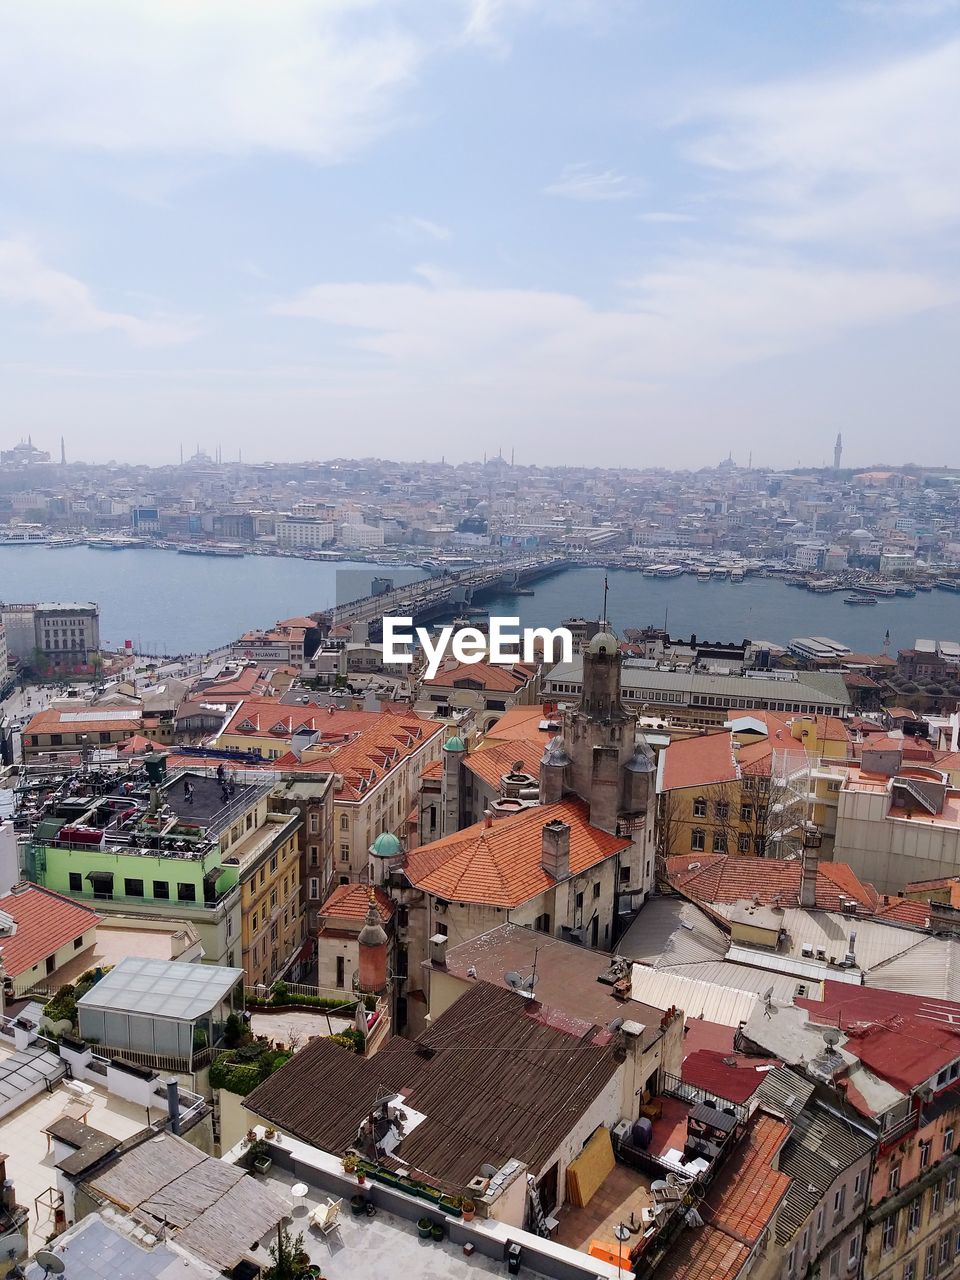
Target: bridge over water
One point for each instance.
(450, 592)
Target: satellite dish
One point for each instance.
(768, 995)
(614, 1024)
(513, 980)
(831, 1036)
(52, 1263)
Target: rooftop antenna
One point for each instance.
(603, 616)
(52, 1263)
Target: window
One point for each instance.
(719, 842)
(579, 901)
(133, 888)
(273, 864)
(838, 1200)
(51, 964)
(945, 1248)
(792, 1261)
(314, 887)
(858, 1187)
(889, 1232)
(76, 882)
(314, 856)
(746, 813)
(542, 923)
(56, 739)
(340, 971)
(624, 875)
(951, 1186)
(834, 1264)
(700, 807)
(913, 1218)
(854, 1251)
(186, 892)
(78, 943)
(893, 1183)
(910, 1270)
(596, 890)
(314, 822)
(936, 1198)
(948, 1140)
(344, 853)
(697, 838)
(722, 810)
(930, 1262)
(743, 842)
(161, 889)
(925, 1148)
(805, 1242)
(820, 1216)
(344, 822)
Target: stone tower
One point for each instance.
(450, 807)
(372, 975)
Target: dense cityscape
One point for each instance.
(479, 640)
(642, 960)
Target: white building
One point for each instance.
(303, 530)
(361, 535)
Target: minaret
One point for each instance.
(63, 452)
(837, 451)
(453, 750)
(600, 733)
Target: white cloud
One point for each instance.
(864, 155)
(692, 316)
(425, 227)
(317, 77)
(583, 182)
(665, 215)
(68, 304)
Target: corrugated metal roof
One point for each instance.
(784, 1092)
(739, 977)
(819, 1151)
(670, 931)
(815, 687)
(929, 968)
(707, 1000)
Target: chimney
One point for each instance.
(808, 878)
(555, 854)
(173, 1104)
(487, 818)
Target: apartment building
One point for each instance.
(304, 531)
(67, 635)
(281, 644)
(74, 727)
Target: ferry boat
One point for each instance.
(737, 575)
(906, 590)
(234, 553)
(721, 571)
(859, 599)
(668, 571)
(704, 574)
(948, 584)
(115, 543)
(22, 538)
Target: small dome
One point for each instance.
(556, 753)
(386, 845)
(641, 761)
(372, 934)
(604, 642)
(453, 743)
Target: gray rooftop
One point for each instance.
(21, 1072)
(99, 1248)
(162, 988)
(815, 687)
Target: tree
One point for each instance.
(285, 1255)
(723, 815)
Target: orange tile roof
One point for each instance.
(748, 1190)
(45, 922)
(432, 771)
(523, 723)
(719, 877)
(905, 911)
(703, 1253)
(500, 865)
(491, 762)
(491, 677)
(699, 762)
(352, 902)
(51, 720)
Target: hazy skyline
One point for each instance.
(588, 230)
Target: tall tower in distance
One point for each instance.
(837, 452)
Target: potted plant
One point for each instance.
(269, 1133)
(468, 1209)
(437, 1231)
(424, 1228)
(251, 1136)
(358, 1204)
(258, 1156)
(350, 1161)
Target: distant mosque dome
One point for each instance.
(453, 743)
(386, 845)
(604, 642)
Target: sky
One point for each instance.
(647, 232)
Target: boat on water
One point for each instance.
(906, 591)
(23, 538)
(924, 586)
(668, 571)
(704, 575)
(115, 544)
(737, 575)
(233, 553)
(948, 584)
(859, 598)
(721, 571)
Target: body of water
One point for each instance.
(167, 603)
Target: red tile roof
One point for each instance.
(905, 911)
(352, 902)
(524, 723)
(491, 762)
(719, 877)
(699, 762)
(490, 676)
(45, 922)
(731, 1076)
(904, 1039)
(500, 865)
(749, 1189)
(704, 1253)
